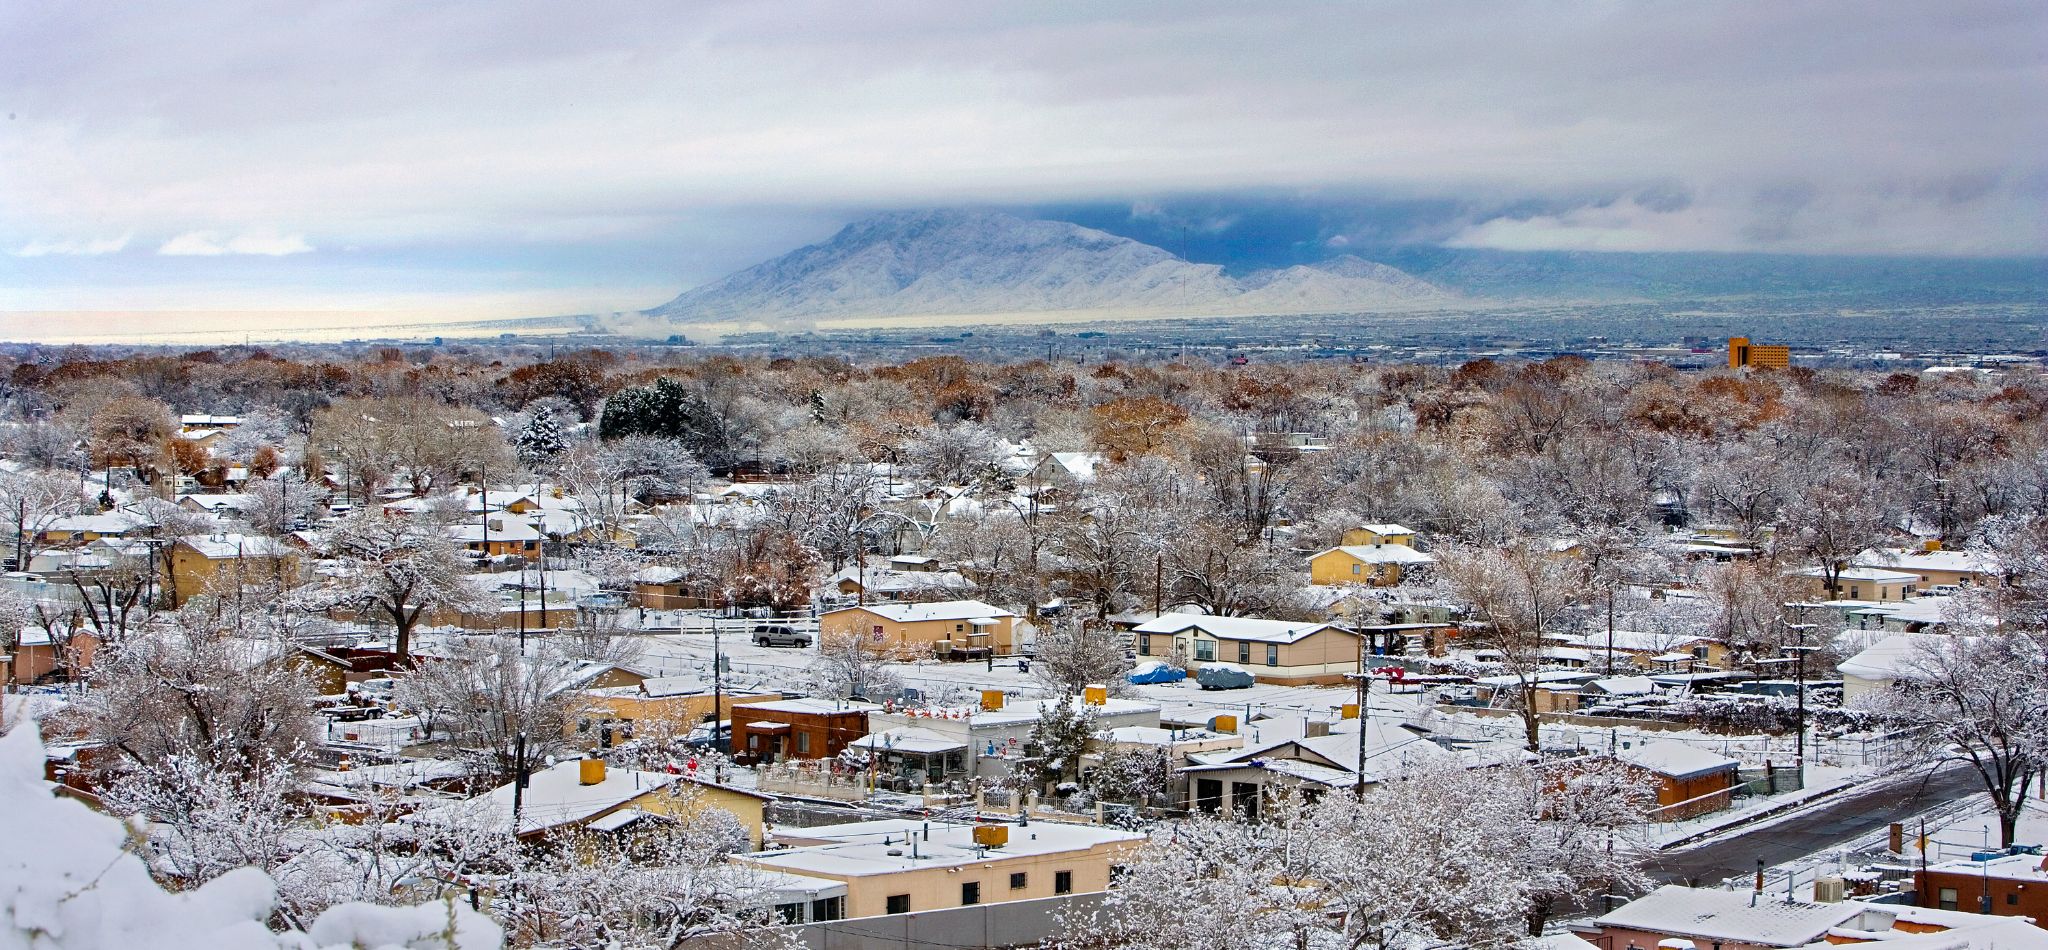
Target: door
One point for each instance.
(1208, 794)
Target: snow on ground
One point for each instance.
(68, 882)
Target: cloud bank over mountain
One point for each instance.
(967, 263)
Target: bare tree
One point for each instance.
(490, 701)
(1518, 592)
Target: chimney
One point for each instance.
(991, 700)
(590, 772)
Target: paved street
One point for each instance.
(1844, 818)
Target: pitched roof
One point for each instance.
(1384, 553)
(1239, 628)
(940, 610)
(1675, 759)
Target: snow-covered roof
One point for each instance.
(809, 706)
(868, 852)
(1387, 529)
(908, 739)
(1639, 641)
(1238, 628)
(1899, 656)
(1384, 553)
(1080, 465)
(1873, 575)
(1675, 759)
(500, 529)
(940, 610)
(218, 546)
(1903, 559)
(1727, 915)
(554, 797)
(1624, 685)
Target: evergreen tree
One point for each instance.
(541, 440)
(1058, 738)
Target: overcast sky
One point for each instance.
(504, 156)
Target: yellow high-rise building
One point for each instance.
(1743, 353)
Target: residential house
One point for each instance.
(80, 529)
(1860, 583)
(766, 732)
(902, 866)
(190, 422)
(1369, 535)
(41, 657)
(197, 562)
(2013, 884)
(655, 707)
(933, 745)
(1899, 657)
(1751, 920)
(586, 795)
(1068, 471)
(1933, 565)
(1377, 565)
(1309, 757)
(497, 536)
(951, 629)
(1657, 651)
(1690, 781)
(1273, 651)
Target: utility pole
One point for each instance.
(1799, 652)
(718, 687)
(1364, 691)
(518, 781)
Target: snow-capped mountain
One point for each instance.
(964, 263)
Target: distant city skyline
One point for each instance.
(527, 159)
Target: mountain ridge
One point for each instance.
(965, 263)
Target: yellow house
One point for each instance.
(82, 529)
(1933, 565)
(196, 562)
(1380, 534)
(1860, 583)
(1272, 651)
(496, 536)
(1377, 565)
(662, 707)
(951, 629)
(902, 866)
(584, 794)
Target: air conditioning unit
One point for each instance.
(1830, 890)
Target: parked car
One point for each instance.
(707, 736)
(778, 635)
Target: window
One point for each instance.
(899, 904)
(970, 893)
(754, 740)
(830, 908)
(2012, 897)
(1205, 649)
(1244, 653)
(1144, 644)
(1019, 880)
(1948, 898)
(1117, 873)
(803, 742)
(1855, 593)
(1063, 882)
(1699, 653)
(1357, 568)
(1272, 654)
(959, 628)
(790, 913)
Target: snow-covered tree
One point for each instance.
(1072, 654)
(484, 695)
(851, 666)
(33, 501)
(1052, 750)
(1983, 698)
(281, 504)
(396, 571)
(540, 441)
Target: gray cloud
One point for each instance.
(1898, 127)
